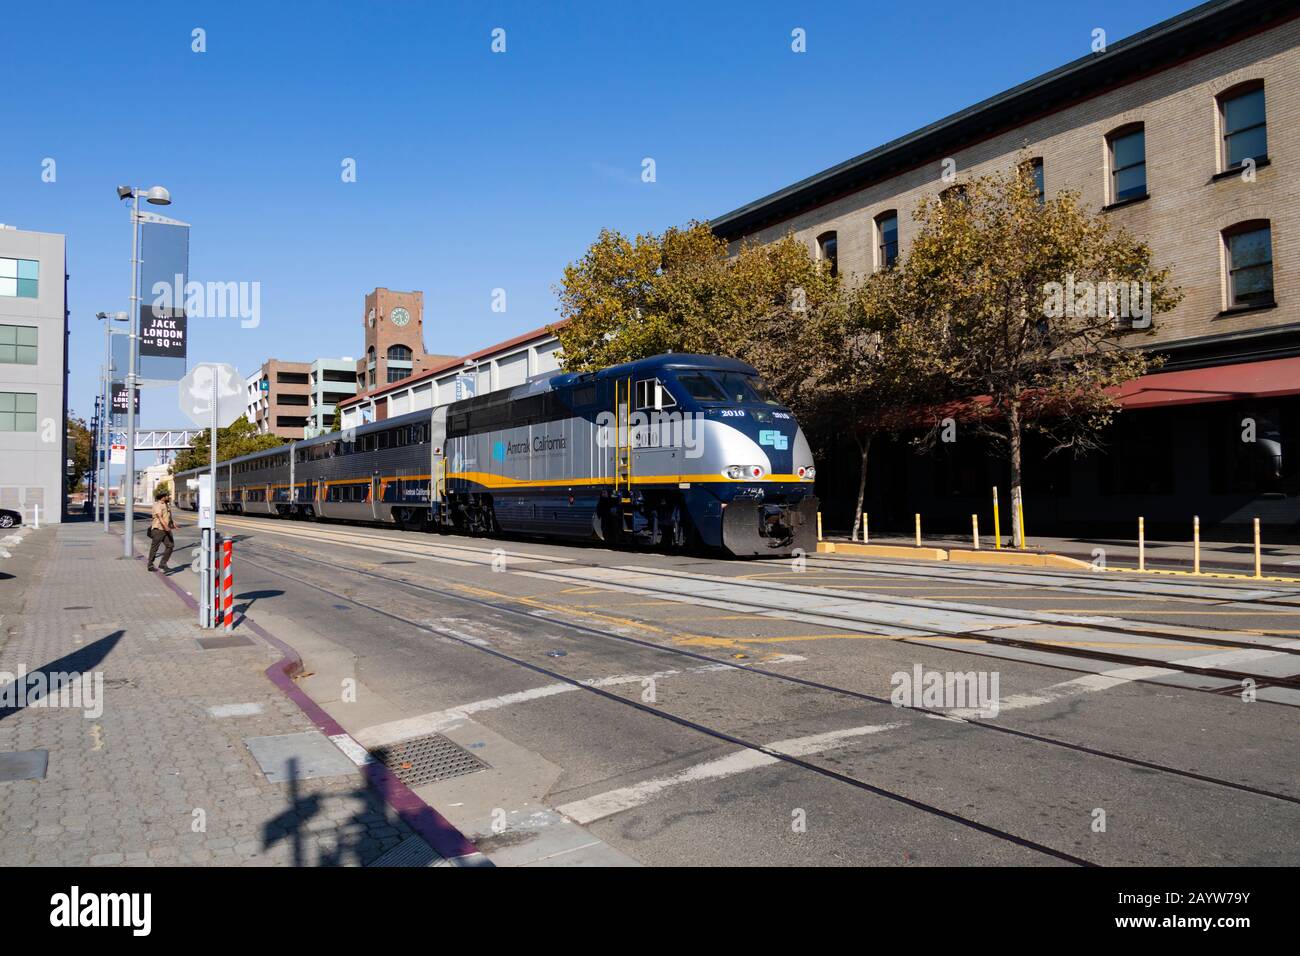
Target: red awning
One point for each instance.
(1268, 379)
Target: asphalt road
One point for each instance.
(668, 709)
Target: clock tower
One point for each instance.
(394, 324)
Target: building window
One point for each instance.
(397, 374)
(399, 353)
(18, 277)
(1249, 250)
(886, 239)
(1128, 163)
(1034, 167)
(953, 194)
(17, 411)
(1245, 131)
(18, 344)
(828, 250)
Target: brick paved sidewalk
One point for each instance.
(165, 774)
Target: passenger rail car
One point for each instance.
(667, 451)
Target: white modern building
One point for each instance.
(498, 366)
(33, 372)
(332, 381)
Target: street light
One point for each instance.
(105, 402)
(158, 196)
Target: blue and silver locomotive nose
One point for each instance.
(767, 504)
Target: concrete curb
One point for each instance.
(432, 826)
(1020, 559)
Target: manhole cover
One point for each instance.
(422, 760)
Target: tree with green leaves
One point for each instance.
(239, 438)
(1043, 304)
(681, 291)
(80, 448)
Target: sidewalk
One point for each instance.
(165, 752)
(1227, 556)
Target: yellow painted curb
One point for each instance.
(883, 551)
(1019, 559)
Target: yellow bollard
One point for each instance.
(1142, 543)
(1020, 511)
(1196, 545)
(864, 527)
(975, 530)
(1258, 562)
(819, 526)
(918, 529)
(997, 521)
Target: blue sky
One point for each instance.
(475, 170)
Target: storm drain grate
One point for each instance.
(422, 760)
(222, 641)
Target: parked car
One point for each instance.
(10, 519)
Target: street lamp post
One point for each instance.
(106, 399)
(158, 196)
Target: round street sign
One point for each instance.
(195, 391)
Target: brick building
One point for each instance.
(394, 343)
(1184, 134)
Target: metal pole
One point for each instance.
(1258, 557)
(1196, 544)
(997, 522)
(105, 420)
(128, 480)
(212, 470)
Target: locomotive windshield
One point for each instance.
(730, 387)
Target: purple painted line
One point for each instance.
(436, 829)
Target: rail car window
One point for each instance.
(584, 395)
(354, 492)
(646, 398)
(700, 385)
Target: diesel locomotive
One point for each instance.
(674, 451)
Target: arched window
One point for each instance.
(1248, 257)
(399, 353)
(1244, 124)
(1127, 154)
(887, 239)
(828, 250)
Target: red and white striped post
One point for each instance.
(228, 582)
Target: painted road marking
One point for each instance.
(440, 720)
(626, 798)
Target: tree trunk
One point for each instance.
(864, 446)
(1014, 439)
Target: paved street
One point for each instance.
(178, 756)
(666, 709)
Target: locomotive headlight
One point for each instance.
(809, 473)
(743, 471)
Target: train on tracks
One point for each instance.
(674, 451)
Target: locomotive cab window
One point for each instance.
(701, 386)
(650, 393)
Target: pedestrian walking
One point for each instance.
(161, 528)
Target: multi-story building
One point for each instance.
(33, 372)
(278, 396)
(394, 339)
(507, 363)
(1184, 134)
(331, 381)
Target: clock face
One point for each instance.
(370, 318)
(399, 316)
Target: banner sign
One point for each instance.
(164, 274)
(119, 399)
(162, 332)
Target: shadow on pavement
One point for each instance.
(81, 661)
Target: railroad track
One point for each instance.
(666, 583)
(259, 559)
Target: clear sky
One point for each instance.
(475, 170)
